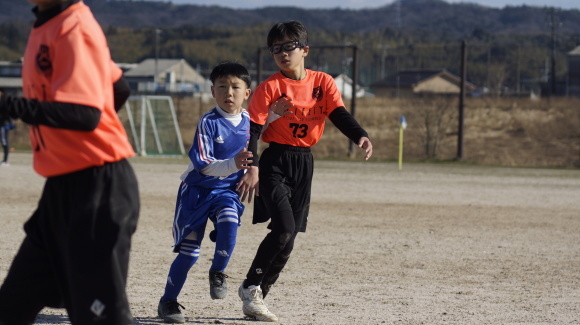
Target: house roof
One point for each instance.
(10, 75)
(342, 76)
(410, 78)
(575, 51)
(406, 78)
(146, 68)
(10, 82)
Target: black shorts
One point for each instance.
(76, 251)
(285, 187)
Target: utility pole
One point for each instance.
(398, 10)
(461, 100)
(155, 77)
(518, 71)
(553, 25)
(383, 57)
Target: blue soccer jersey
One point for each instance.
(215, 139)
(201, 196)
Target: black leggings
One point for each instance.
(285, 185)
(272, 255)
(5, 143)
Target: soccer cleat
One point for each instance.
(4, 164)
(254, 306)
(218, 287)
(169, 311)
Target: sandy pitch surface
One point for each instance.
(431, 244)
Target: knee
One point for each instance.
(283, 238)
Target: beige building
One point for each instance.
(10, 77)
(165, 76)
(410, 83)
(574, 71)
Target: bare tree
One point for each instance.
(497, 76)
(436, 116)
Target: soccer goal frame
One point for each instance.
(144, 127)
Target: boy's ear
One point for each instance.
(212, 91)
(306, 49)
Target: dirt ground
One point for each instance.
(428, 244)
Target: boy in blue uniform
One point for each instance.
(6, 125)
(212, 187)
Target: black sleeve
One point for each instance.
(5, 120)
(121, 92)
(54, 114)
(346, 123)
(255, 132)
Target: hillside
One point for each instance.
(509, 48)
(434, 15)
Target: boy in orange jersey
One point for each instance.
(76, 250)
(294, 104)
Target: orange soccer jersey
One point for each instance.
(67, 59)
(314, 97)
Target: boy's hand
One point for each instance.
(248, 185)
(366, 144)
(242, 159)
(282, 106)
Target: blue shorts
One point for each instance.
(195, 205)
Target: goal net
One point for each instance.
(152, 126)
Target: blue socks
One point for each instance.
(179, 269)
(227, 223)
(225, 243)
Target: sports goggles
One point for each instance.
(286, 46)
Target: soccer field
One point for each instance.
(430, 244)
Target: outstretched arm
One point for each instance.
(58, 114)
(54, 114)
(346, 123)
(366, 144)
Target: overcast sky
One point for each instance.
(359, 4)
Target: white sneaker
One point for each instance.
(254, 306)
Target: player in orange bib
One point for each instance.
(76, 251)
(292, 105)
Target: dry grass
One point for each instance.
(497, 131)
(509, 132)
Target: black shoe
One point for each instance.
(169, 311)
(218, 288)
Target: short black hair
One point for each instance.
(293, 29)
(229, 68)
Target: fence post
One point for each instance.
(461, 100)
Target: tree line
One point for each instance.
(507, 48)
